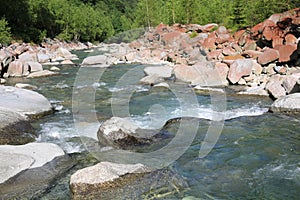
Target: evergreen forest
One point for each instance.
(97, 20)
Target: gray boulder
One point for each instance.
(34, 66)
(122, 133)
(274, 86)
(95, 60)
(161, 71)
(289, 104)
(23, 101)
(15, 128)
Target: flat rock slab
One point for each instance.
(288, 104)
(23, 101)
(11, 164)
(29, 156)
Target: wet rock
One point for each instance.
(23, 101)
(240, 68)
(108, 180)
(121, 133)
(161, 71)
(289, 104)
(15, 128)
(269, 55)
(274, 87)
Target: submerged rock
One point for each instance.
(24, 102)
(289, 104)
(15, 128)
(108, 180)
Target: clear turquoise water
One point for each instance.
(255, 157)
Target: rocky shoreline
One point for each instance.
(264, 60)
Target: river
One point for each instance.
(256, 155)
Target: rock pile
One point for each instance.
(265, 59)
(19, 60)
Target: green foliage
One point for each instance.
(5, 35)
(193, 34)
(97, 20)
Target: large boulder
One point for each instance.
(240, 68)
(161, 71)
(289, 104)
(108, 180)
(269, 55)
(274, 86)
(121, 133)
(34, 66)
(291, 83)
(96, 60)
(16, 68)
(15, 128)
(29, 156)
(202, 73)
(23, 101)
(28, 171)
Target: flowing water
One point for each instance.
(256, 155)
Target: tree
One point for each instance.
(5, 35)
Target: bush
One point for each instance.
(5, 36)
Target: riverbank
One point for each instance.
(181, 49)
